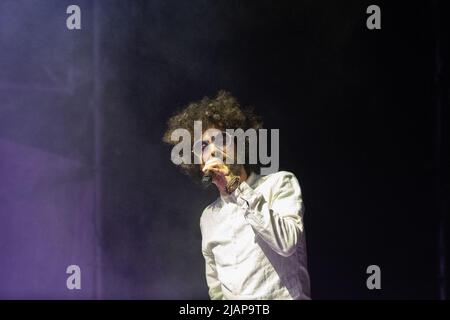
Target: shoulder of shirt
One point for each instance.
(278, 177)
(281, 181)
(274, 178)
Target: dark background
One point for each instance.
(362, 115)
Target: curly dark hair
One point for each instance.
(222, 112)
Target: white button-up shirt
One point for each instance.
(253, 241)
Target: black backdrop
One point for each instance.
(357, 113)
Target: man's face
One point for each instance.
(216, 143)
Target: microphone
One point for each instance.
(207, 178)
(232, 184)
(208, 175)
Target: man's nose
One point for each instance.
(211, 152)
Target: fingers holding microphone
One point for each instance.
(218, 171)
(222, 176)
(216, 166)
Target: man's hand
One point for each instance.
(220, 171)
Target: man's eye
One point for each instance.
(221, 137)
(204, 145)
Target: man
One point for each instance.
(253, 238)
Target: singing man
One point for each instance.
(253, 237)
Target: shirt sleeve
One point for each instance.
(212, 280)
(280, 224)
(215, 289)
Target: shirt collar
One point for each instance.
(252, 179)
